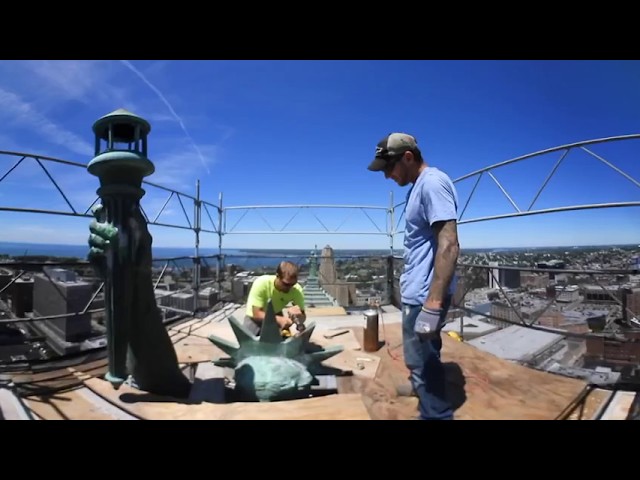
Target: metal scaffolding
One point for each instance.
(221, 220)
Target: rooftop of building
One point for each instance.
(482, 385)
(516, 343)
(583, 315)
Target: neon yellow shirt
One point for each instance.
(264, 289)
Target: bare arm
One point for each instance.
(446, 234)
(297, 312)
(259, 314)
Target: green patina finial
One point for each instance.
(137, 341)
(121, 146)
(270, 367)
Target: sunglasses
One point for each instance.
(391, 163)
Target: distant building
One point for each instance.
(510, 278)
(493, 275)
(182, 301)
(631, 303)
(13, 342)
(59, 292)
(533, 280)
(521, 310)
(567, 293)
(21, 296)
(241, 286)
(551, 319)
(502, 277)
(367, 297)
(603, 294)
(345, 293)
(168, 283)
(574, 321)
(519, 344)
(553, 265)
(231, 269)
(472, 327)
(327, 276)
(5, 279)
(315, 294)
(599, 376)
(207, 298)
(622, 355)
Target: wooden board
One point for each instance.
(500, 389)
(220, 329)
(220, 316)
(352, 358)
(69, 405)
(63, 378)
(193, 326)
(195, 349)
(480, 385)
(348, 340)
(587, 409)
(55, 374)
(324, 311)
(153, 407)
(359, 363)
(619, 407)
(349, 360)
(10, 406)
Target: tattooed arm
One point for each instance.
(446, 234)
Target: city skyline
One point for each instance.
(307, 129)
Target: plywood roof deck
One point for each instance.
(480, 385)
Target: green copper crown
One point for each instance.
(270, 367)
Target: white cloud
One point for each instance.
(21, 113)
(43, 103)
(94, 83)
(69, 79)
(179, 167)
(164, 100)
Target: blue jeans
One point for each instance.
(427, 373)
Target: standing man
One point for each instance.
(430, 254)
(281, 288)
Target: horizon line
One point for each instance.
(364, 249)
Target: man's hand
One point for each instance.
(297, 315)
(284, 322)
(103, 236)
(428, 323)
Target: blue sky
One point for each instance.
(303, 132)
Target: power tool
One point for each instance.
(300, 326)
(299, 323)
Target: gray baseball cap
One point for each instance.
(391, 146)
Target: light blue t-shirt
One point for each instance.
(432, 198)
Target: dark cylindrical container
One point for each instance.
(371, 330)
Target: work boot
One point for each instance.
(405, 390)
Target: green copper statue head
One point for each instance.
(270, 367)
